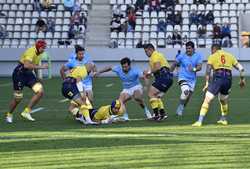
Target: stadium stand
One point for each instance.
(18, 18)
(146, 23)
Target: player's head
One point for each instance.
(115, 106)
(40, 46)
(79, 52)
(190, 48)
(125, 63)
(149, 49)
(245, 40)
(215, 47)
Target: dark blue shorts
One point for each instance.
(23, 77)
(220, 85)
(92, 113)
(69, 88)
(163, 81)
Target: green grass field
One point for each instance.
(56, 141)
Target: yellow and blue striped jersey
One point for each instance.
(222, 60)
(79, 72)
(104, 112)
(158, 57)
(31, 55)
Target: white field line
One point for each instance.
(63, 100)
(109, 85)
(37, 109)
(5, 84)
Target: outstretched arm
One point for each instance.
(106, 69)
(239, 67)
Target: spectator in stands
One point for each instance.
(176, 38)
(72, 31)
(46, 4)
(116, 25)
(221, 1)
(161, 26)
(139, 5)
(154, 5)
(83, 19)
(193, 17)
(131, 18)
(37, 5)
(216, 31)
(76, 19)
(202, 18)
(168, 5)
(69, 5)
(77, 6)
(41, 25)
(210, 17)
(3, 32)
(225, 30)
(245, 40)
(178, 18)
(51, 25)
(226, 42)
(202, 30)
(170, 18)
(200, 2)
(139, 44)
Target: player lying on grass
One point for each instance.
(221, 62)
(72, 88)
(132, 88)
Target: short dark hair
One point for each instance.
(149, 46)
(216, 46)
(79, 48)
(125, 60)
(190, 43)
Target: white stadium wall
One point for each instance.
(104, 56)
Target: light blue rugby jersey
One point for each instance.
(184, 61)
(73, 62)
(129, 79)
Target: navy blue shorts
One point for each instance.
(23, 77)
(69, 88)
(92, 113)
(220, 85)
(163, 81)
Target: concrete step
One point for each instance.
(100, 7)
(97, 43)
(100, 2)
(101, 14)
(99, 21)
(97, 28)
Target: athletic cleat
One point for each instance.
(9, 118)
(197, 124)
(162, 117)
(222, 122)
(80, 119)
(27, 116)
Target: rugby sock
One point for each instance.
(85, 113)
(160, 104)
(27, 110)
(203, 111)
(224, 109)
(154, 105)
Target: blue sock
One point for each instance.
(201, 118)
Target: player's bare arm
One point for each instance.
(239, 67)
(29, 65)
(207, 76)
(62, 71)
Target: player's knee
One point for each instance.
(223, 98)
(18, 96)
(38, 88)
(208, 97)
(184, 94)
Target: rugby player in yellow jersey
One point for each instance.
(159, 67)
(221, 63)
(71, 89)
(23, 76)
(107, 114)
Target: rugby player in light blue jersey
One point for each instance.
(132, 87)
(189, 63)
(79, 58)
